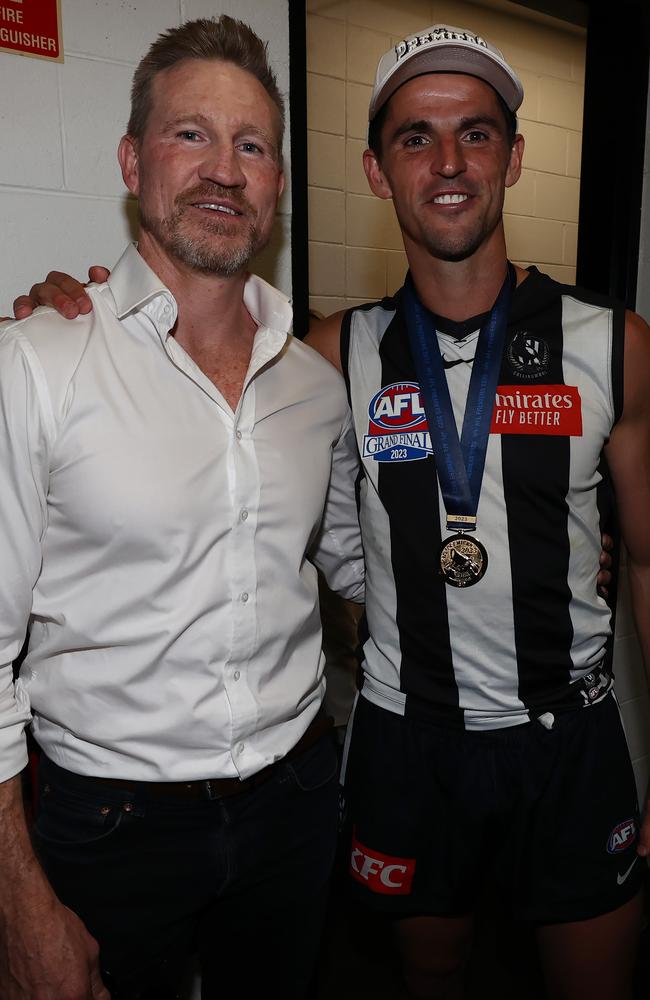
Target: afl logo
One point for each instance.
(528, 355)
(622, 837)
(397, 407)
(397, 426)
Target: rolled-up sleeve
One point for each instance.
(337, 551)
(26, 429)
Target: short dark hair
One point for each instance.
(220, 38)
(376, 126)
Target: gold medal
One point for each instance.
(463, 560)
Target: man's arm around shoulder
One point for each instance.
(628, 456)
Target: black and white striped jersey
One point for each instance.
(527, 638)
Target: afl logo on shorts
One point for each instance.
(528, 355)
(622, 837)
(397, 430)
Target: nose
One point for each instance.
(451, 157)
(221, 166)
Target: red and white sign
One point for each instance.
(31, 28)
(381, 872)
(544, 409)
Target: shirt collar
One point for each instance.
(136, 287)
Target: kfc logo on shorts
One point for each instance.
(622, 837)
(381, 873)
(397, 430)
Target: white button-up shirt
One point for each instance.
(162, 547)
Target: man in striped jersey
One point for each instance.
(486, 734)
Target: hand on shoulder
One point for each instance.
(62, 292)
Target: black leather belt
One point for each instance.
(214, 788)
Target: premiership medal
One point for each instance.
(462, 560)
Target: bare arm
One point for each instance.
(46, 953)
(325, 337)
(628, 455)
(61, 291)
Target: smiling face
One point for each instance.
(446, 161)
(207, 172)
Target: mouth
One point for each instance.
(216, 206)
(450, 199)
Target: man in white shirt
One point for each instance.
(159, 532)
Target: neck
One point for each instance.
(211, 310)
(459, 290)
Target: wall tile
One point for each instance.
(326, 46)
(534, 239)
(326, 216)
(91, 139)
(557, 197)
(365, 273)
(371, 222)
(125, 33)
(546, 147)
(530, 107)
(396, 268)
(326, 269)
(327, 304)
(356, 180)
(358, 102)
(329, 8)
(30, 151)
(560, 272)
(384, 15)
(326, 158)
(520, 199)
(561, 102)
(570, 250)
(45, 223)
(365, 49)
(574, 153)
(325, 104)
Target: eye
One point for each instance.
(476, 135)
(414, 141)
(250, 147)
(189, 135)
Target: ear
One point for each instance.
(281, 183)
(376, 178)
(127, 155)
(513, 172)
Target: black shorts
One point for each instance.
(552, 815)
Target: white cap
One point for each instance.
(444, 49)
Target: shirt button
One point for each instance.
(236, 675)
(244, 514)
(238, 435)
(244, 597)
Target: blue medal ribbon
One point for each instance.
(459, 464)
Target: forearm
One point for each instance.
(21, 875)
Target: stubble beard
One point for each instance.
(222, 258)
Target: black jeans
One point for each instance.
(242, 880)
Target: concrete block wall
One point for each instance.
(62, 201)
(355, 246)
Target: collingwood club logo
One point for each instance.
(528, 355)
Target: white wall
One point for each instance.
(62, 201)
